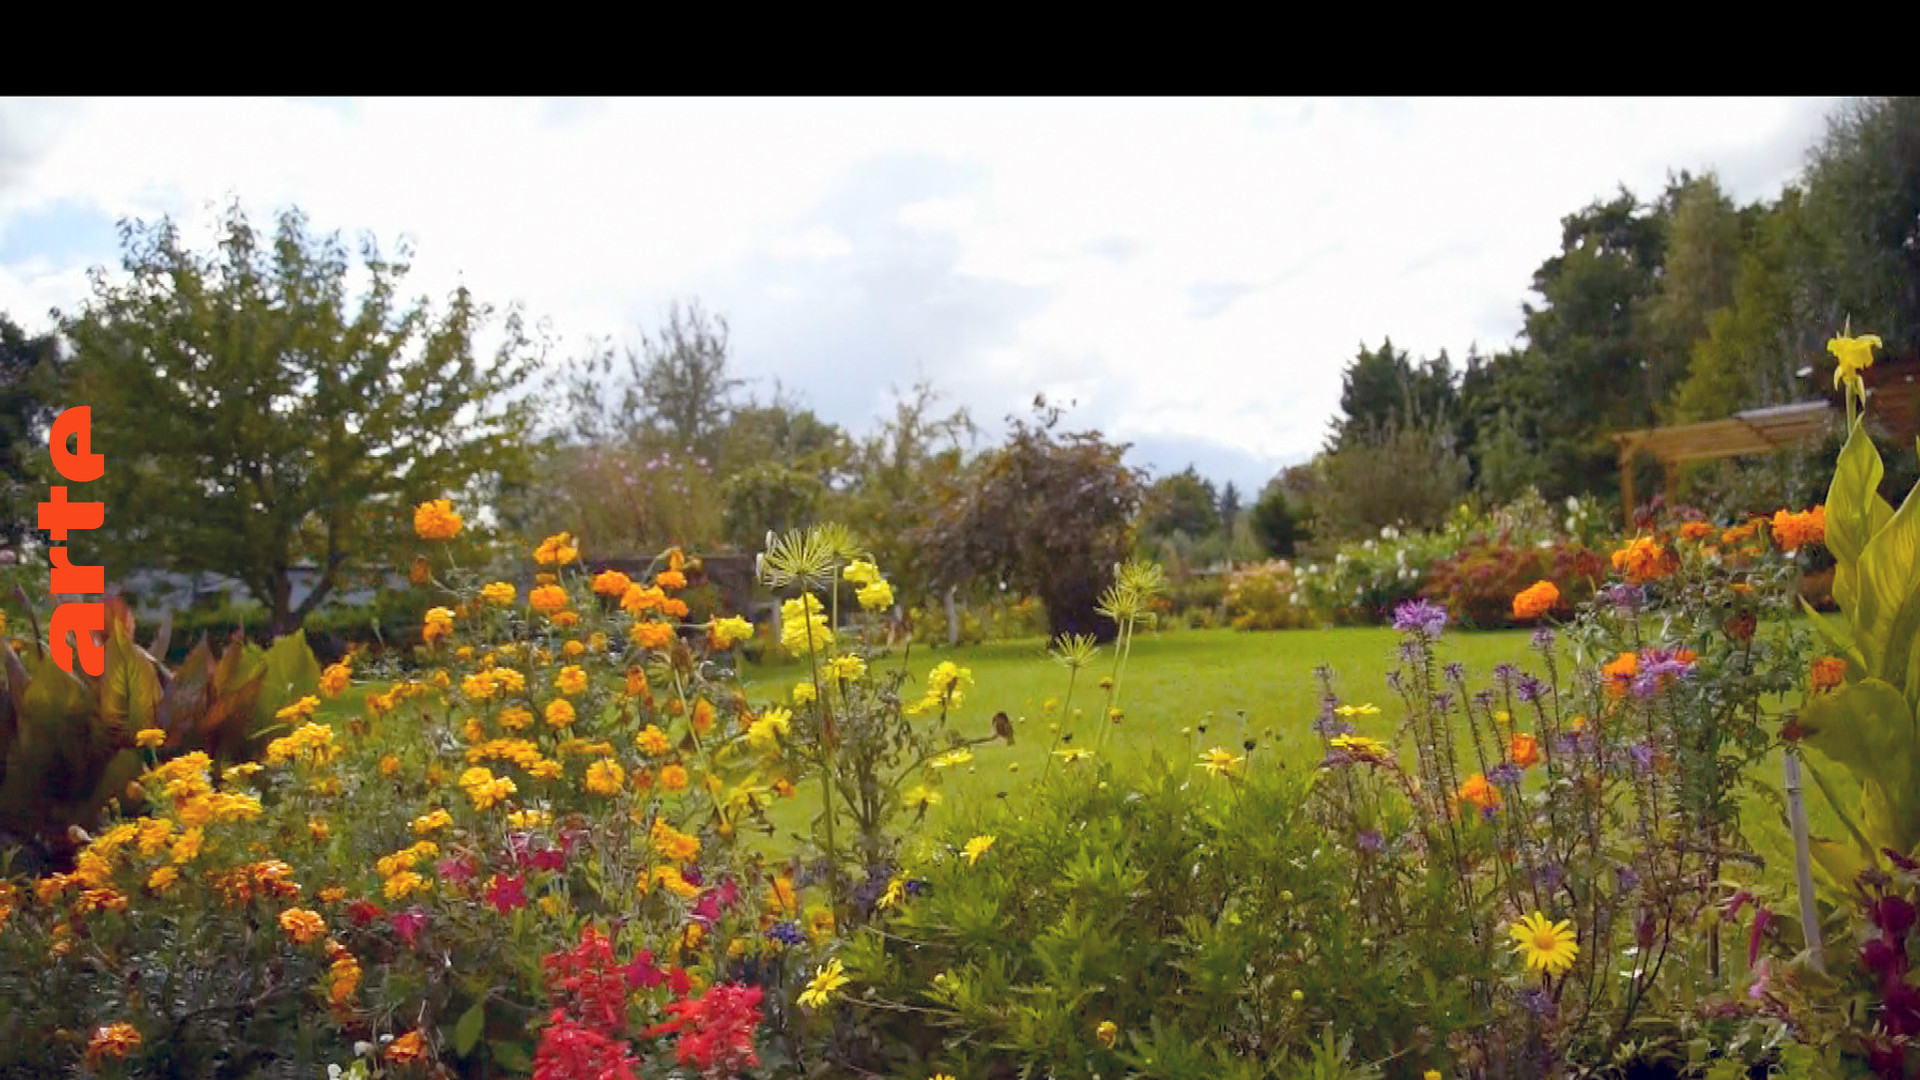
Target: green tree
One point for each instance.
(1049, 513)
(1275, 523)
(1700, 269)
(27, 362)
(682, 380)
(256, 419)
(1184, 502)
(1229, 505)
(1384, 386)
(1407, 475)
(1863, 208)
(899, 473)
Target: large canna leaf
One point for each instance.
(228, 721)
(1867, 727)
(291, 671)
(1838, 636)
(1887, 611)
(1855, 510)
(184, 701)
(129, 685)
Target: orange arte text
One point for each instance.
(57, 518)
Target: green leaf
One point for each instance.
(511, 1055)
(1836, 633)
(290, 672)
(1855, 509)
(1865, 726)
(129, 686)
(1887, 613)
(467, 1031)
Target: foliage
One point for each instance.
(1265, 596)
(1476, 584)
(260, 419)
(1047, 513)
(1183, 502)
(1405, 475)
(26, 412)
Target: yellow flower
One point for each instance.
(303, 926)
(499, 593)
(803, 626)
(548, 599)
(611, 583)
(669, 878)
(830, 977)
(977, 847)
(187, 847)
(673, 778)
(404, 884)
(820, 925)
(605, 777)
(652, 741)
(116, 1041)
(389, 766)
(673, 844)
(951, 759)
(514, 718)
(1358, 710)
(1548, 947)
(1221, 762)
(1362, 748)
(896, 892)
(305, 707)
(846, 667)
(162, 878)
(803, 693)
(1068, 756)
(432, 820)
(730, 631)
(439, 624)
(335, 679)
(764, 733)
(556, 550)
(148, 738)
(560, 713)
(1854, 356)
(1108, 1033)
(572, 679)
(876, 597)
(861, 572)
(922, 797)
(436, 520)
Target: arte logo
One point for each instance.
(82, 620)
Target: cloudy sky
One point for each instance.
(1192, 273)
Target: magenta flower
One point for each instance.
(508, 893)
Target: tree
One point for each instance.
(681, 375)
(255, 419)
(1407, 475)
(26, 411)
(1863, 208)
(899, 473)
(1229, 505)
(1184, 502)
(1048, 513)
(1383, 387)
(1274, 522)
(1701, 266)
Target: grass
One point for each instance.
(1236, 685)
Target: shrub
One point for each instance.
(1265, 597)
(1477, 583)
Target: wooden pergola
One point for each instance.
(1893, 401)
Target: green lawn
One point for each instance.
(1239, 685)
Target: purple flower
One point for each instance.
(1761, 974)
(1549, 875)
(1538, 1002)
(1893, 916)
(1627, 598)
(1505, 673)
(1410, 650)
(1506, 773)
(1543, 638)
(1487, 813)
(1370, 840)
(1442, 701)
(1569, 743)
(1456, 671)
(1884, 958)
(1331, 726)
(1642, 754)
(1628, 878)
(1420, 616)
(1531, 689)
(1395, 681)
(787, 932)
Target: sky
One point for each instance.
(1191, 274)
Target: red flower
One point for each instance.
(677, 982)
(716, 1029)
(507, 893)
(642, 972)
(569, 1050)
(363, 912)
(409, 923)
(585, 982)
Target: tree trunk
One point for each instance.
(1070, 601)
(953, 619)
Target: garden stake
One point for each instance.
(1802, 862)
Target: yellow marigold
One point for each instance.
(332, 894)
(669, 878)
(861, 572)
(673, 844)
(436, 520)
(548, 599)
(343, 978)
(336, 678)
(499, 593)
(556, 550)
(318, 829)
(148, 738)
(431, 821)
(651, 635)
(1695, 530)
(765, 732)
(670, 579)
(803, 692)
(1108, 1033)
(404, 884)
(572, 649)
(510, 680)
(1795, 531)
(187, 847)
(652, 741)
(606, 777)
(1524, 749)
(114, 1042)
(163, 878)
(1536, 600)
(803, 626)
(875, 597)
(1619, 673)
(1645, 560)
(514, 718)
(572, 679)
(560, 713)
(389, 765)
(703, 716)
(846, 667)
(674, 778)
(303, 926)
(439, 624)
(546, 770)
(483, 789)
(728, 632)
(781, 898)
(1828, 673)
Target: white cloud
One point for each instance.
(1194, 271)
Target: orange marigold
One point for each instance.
(548, 599)
(1645, 560)
(1795, 531)
(1476, 790)
(652, 635)
(670, 579)
(1620, 671)
(611, 583)
(408, 1049)
(116, 1041)
(436, 520)
(1524, 748)
(303, 926)
(1536, 600)
(1828, 673)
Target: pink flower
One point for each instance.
(409, 923)
(507, 893)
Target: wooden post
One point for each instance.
(1626, 482)
(1802, 863)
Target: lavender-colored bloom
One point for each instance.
(1505, 673)
(1543, 638)
(1530, 689)
(1549, 875)
(916, 887)
(1395, 681)
(1483, 699)
(1410, 651)
(1442, 701)
(1627, 598)
(1487, 813)
(1538, 1002)
(1504, 773)
(1331, 726)
(1420, 616)
(1629, 878)
(787, 932)
(1456, 671)
(1370, 840)
(1569, 743)
(1642, 754)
